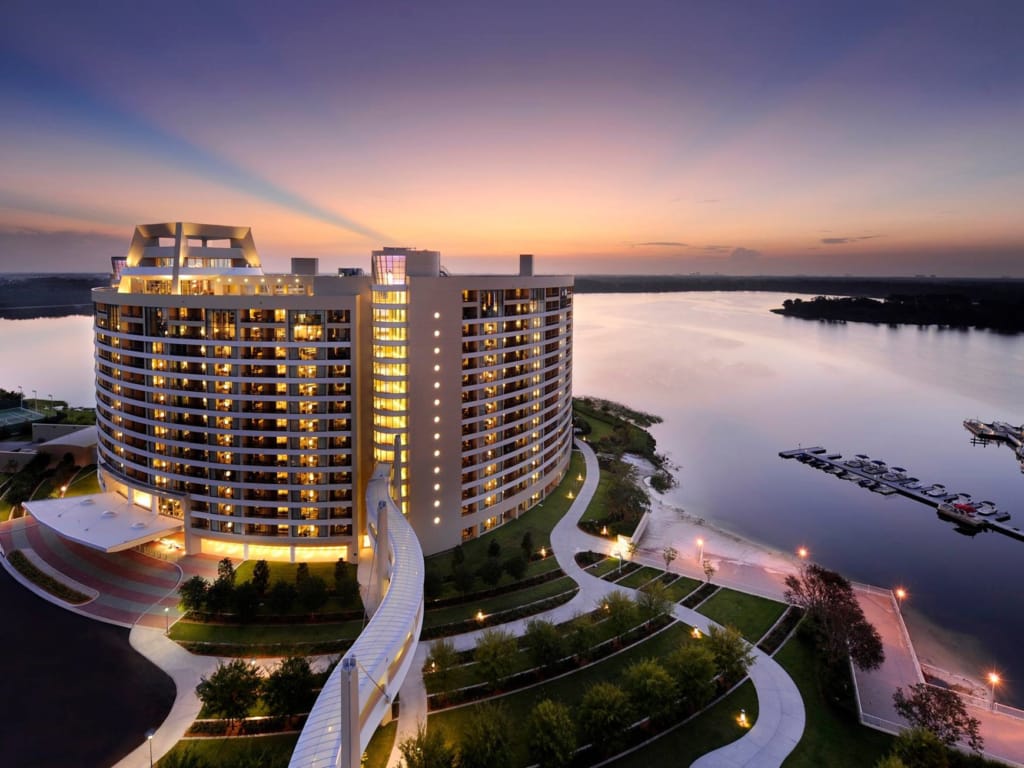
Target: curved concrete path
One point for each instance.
(780, 722)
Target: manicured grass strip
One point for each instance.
(260, 634)
(605, 566)
(680, 588)
(708, 731)
(832, 736)
(621, 571)
(43, 580)
(750, 614)
(265, 751)
(84, 483)
(598, 507)
(639, 578)
(379, 749)
(568, 689)
(498, 603)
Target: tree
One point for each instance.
(579, 635)
(527, 545)
(920, 748)
(731, 652)
(312, 593)
(495, 652)
(516, 566)
(490, 571)
(941, 711)
(346, 587)
(486, 738)
(709, 569)
(494, 548)
(668, 554)
(427, 749)
(281, 597)
(620, 610)
(625, 499)
(653, 600)
(193, 593)
(261, 577)
(890, 761)
(545, 642)
(433, 584)
(651, 689)
(692, 665)
(301, 573)
(458, 556)
(833, 611)
(463, 579)
(288, 690)
(604, 714)
(232, 690)
(218, 596)
(441, 660)
(245, 601)
(226, 570)
(551, 734)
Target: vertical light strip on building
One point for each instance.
(390, 299)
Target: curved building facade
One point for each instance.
(254, 406)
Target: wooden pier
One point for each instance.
(879, 477)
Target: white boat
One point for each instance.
(960, 513)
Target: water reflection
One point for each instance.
(736, 384)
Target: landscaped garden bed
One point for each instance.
(695, 598)
(45, 581)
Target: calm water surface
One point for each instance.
(735, 385)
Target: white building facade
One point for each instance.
(254, 406)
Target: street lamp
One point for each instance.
(63, 490)
(149, 737)
(802, 553)
(901, 595)
(167, 620)
(700, 551)
(994, 680)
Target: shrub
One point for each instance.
(604, 714)
(545, 642)
(551, 734)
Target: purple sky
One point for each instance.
(753, 137)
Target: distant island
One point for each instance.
(24, 296)
(997, 313)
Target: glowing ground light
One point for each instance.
(480, 616)
(742, 719)
(695, 634)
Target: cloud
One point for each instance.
(24, 249)
(844, 240)
(717, 248)
(665, 244)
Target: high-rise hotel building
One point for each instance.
(254, 406)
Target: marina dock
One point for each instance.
(879, 477)
(999, 432)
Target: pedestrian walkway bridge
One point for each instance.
(359, 693)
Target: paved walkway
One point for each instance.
(780, 720)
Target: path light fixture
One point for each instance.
(569, 495)
(696, 634)
(579, 478)
(994, 680)
(63, 490)
(149, 737)
(480, 616)
(901, 595)
(700, 551)
(167, 619)
(742, 719)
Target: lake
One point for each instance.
(736, 384)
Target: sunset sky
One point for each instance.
(665, 137)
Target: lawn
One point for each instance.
(568, 689)
(750, 614)
(498, 603)
(637, 579)
(832, 735)
(266, 751)
(680, 588)
(286, 572)
(84, 483)
(379, 749)
(602, 567)
(258, 634)
(708, 731)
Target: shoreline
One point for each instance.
(954, 658)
